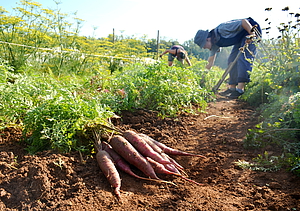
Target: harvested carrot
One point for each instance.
(121, 163)
(156, 148)
(160, 169)
(170, 167)
(151, 143)
(131, 155)
(141, 145)
(108, 168)
(175, 163)
(171, 151)
(179, 168)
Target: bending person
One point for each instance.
(232, 33)
(176, 51)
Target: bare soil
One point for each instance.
(62, 182)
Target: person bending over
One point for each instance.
(232, 33)
(176, 51)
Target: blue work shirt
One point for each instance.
(227, 30)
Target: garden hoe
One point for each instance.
(259, 40)
(228, 69)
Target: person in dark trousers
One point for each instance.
(232, 33)
(176, 51)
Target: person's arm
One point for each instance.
(188, 60)
(248, 27)
(211, 61)
(167, 51)
(163, 53)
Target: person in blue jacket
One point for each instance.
(232, 33)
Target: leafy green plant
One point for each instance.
(294, 162)
(275, 90)
(158, 87)
(6, 72)
(53, 112)
(59, 163)
(262, 162)
(59, 121)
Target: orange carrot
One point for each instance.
(141, 145)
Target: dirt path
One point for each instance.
(49, 181)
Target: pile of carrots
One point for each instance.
(146, 154)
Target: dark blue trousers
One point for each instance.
(240, 71)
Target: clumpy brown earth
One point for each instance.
(62, 182)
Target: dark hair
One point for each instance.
(182, 55)
(212, 36)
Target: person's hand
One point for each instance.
(160, 55)
(250, 38)
(208, 67)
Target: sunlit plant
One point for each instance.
(275, 88)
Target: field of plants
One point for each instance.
(57, 88)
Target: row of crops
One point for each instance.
(58, 86)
